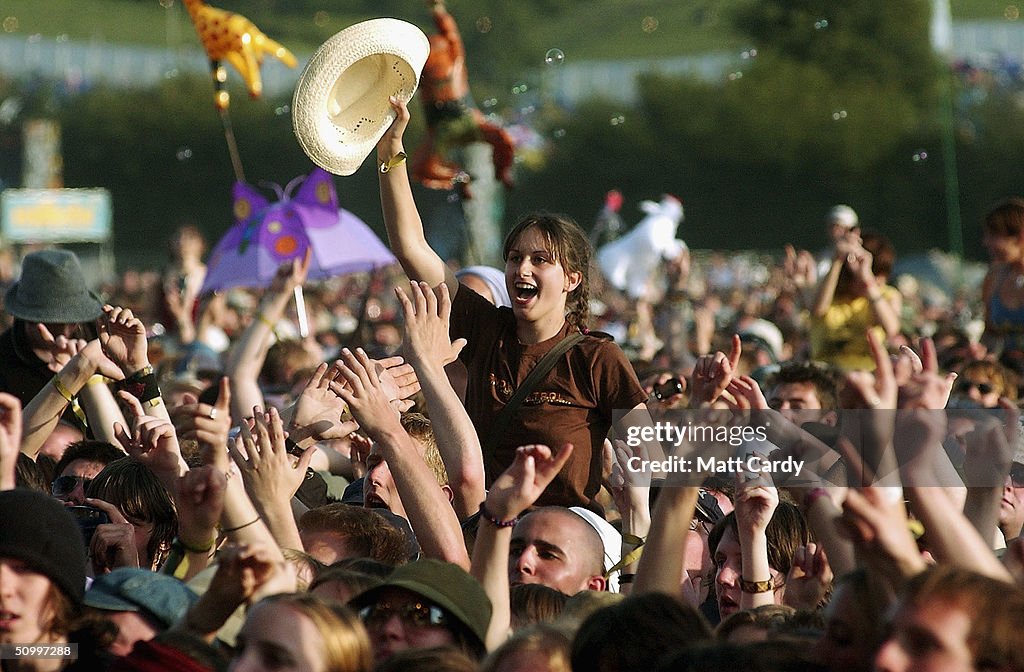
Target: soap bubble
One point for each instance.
(919, 156)
(554, 57)
(184, 153)
(649, 24)
(839, 114)
(821, 24)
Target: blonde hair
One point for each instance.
(418, 426)
(345, 641)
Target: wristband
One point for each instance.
(293, 448)
(757, 586)
(486, 515)
(396, 160)
(194, 549)
(263, 318)
(626, 578)
(142, 373)
(61, 390)
(142, 385)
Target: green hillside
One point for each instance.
(580, 28)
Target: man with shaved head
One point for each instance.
(555, 547)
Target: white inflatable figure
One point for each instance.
(630, 263)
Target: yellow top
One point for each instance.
(839, 338)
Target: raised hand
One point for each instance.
(427, 319)
(809, 579)
(152, 441)
(755, 505)
(60, 347)
(319, 412)
(866, 390)
(263, 459)
(876, 521)
(113, 544)
(365, 395)
(248, 572)
(519, 486)
(399, 381)
(209, 425)
(392, 138)
(291, 274)
(747, 394)
(713, 373)
(123, 337)
(199, 500)
(927, 389)
(630, 487)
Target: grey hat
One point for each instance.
(52, 289)
(161, 597)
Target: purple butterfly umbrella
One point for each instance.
(265, 235)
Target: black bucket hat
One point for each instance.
(52, 289)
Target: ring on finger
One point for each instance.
(212, 415)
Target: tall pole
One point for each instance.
(941, 33)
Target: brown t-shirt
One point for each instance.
(573, 403)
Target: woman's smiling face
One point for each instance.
(536, 279)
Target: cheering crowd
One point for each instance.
(458, 475)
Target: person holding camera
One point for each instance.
(853, 298)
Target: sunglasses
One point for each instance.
(967, 385)
(415, 614)
(1017, 475)
(65, 485)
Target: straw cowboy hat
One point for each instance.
(341, 109)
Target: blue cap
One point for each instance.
(161, 597)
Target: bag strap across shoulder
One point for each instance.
(546, 363)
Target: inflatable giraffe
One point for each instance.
(234, 38)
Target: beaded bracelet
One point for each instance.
(486, 515)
